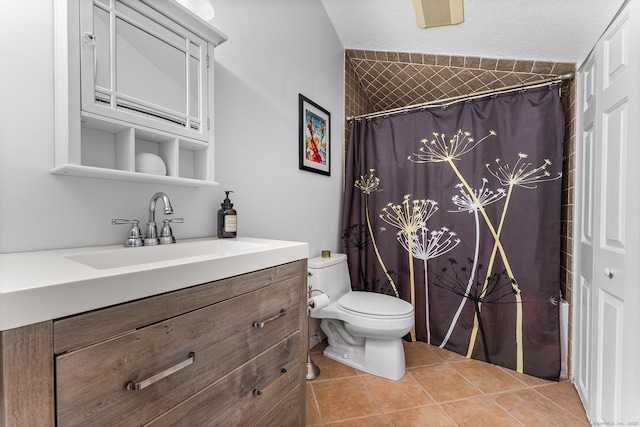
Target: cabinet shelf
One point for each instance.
(99, 139)
(120, 175)
(108, 149)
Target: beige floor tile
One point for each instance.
(450, 356)
(479, 411)
(396, 395)
(566, 396)
(443, 383)
(427, 416)
(421, 354)
(529, 380)
(533, 409)
(319, 348)
(312, 415)
(330, 369)
(344, 398)
(375, 421)
(487, 377)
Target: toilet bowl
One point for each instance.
(364, 329)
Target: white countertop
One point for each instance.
(46, 285)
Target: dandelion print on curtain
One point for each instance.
(457, 210)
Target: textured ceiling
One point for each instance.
(551, 30)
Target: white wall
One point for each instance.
(276, 50)
(260, 71)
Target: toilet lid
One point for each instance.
(371, 303)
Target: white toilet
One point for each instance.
(364, 329)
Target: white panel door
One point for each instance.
(607, 298)
(585, 228)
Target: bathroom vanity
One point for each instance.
(202, 332)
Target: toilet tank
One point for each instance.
(329, 275)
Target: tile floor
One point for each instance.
(440, 388)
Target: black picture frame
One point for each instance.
(314, 146)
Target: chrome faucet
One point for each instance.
(152, 232)
(134, 239)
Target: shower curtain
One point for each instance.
(456, 209)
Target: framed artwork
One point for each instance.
(315, 143)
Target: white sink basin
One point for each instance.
(124, 257)
(45, 285)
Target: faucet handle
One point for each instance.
(166, 234)
(178, 220)
(134, 239)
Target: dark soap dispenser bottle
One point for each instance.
(227, 218)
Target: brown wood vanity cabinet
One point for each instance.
(225, 353)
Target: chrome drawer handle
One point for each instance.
(259, 325)
(259, 392)
(160, 375)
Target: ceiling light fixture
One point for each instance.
(435, 13)
(202, 8)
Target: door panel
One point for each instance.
(585, 215)
(616, 52)
(582, 342)
(610, 357)
(612, 122)
(587, 186)
(607, 299)
(614, 144)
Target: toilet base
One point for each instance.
(383, 358)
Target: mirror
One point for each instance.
(133, 64)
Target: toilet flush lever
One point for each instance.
(608, 272)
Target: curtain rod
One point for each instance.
(561, 77)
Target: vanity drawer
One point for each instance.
(234, 399)
(288, 412)
(91, 382)
(84, 329)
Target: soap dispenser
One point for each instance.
(227, 218)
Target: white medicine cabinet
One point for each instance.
(134, 78)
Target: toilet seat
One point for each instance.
(374, 305)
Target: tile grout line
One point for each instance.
(488, 395)
(315, 401)
(388, 416)
(554, 403)
(435, 403)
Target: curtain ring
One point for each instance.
(445, 106)
(494, 96)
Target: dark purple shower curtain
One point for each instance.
(457, 210)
